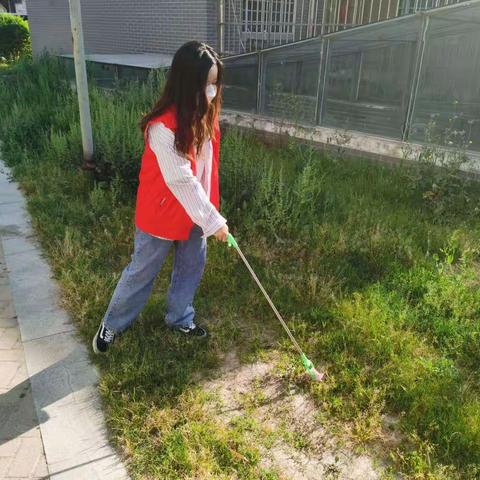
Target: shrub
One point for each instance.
(14, 37)
(436, 174)
(40, 113)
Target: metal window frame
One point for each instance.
(422, 40)
(284, 9)
(325, 60)
(320, 70)
(260, 67)
(429, 13)
(322, 81)
(277, 22)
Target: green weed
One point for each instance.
(378, 291)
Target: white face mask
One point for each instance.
(211, 92)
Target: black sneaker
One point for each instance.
(102, 339)
(194, 331)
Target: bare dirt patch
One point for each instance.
(291, 439)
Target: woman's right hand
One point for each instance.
(222, 233)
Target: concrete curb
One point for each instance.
(62, 378)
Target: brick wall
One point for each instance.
(124, 26)
(49, 25)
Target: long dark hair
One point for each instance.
(185, 89)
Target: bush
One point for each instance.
(40, 113)
(436, 175)
(14, 37)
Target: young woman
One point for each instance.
(177, 198)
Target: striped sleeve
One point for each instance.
(178, 175)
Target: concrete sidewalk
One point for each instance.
(51, 423)
(21, 447)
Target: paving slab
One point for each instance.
(21, 448)
(14, 220)
(16, 245)
(6, 191)
(62, 410)
(36, 299)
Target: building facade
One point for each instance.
(230, 26)
(123, 26)
(17, 7)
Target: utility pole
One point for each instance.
(82, 85)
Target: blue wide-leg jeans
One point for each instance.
(135, 284)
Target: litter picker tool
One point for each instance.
(309, 367)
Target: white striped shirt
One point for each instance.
(193, 192)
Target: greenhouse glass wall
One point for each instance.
(399, 78)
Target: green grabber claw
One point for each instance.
(311, 370)
(231, 241)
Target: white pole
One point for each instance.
(82, 85)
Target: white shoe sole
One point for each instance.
(188, 335)
(94, 343)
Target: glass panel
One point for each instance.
(241, 74)
(369, 77)
(290, 81)
(104, 75)
(449, 88)
(129, 73)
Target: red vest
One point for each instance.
(158, 212)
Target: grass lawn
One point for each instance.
(382, 290)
